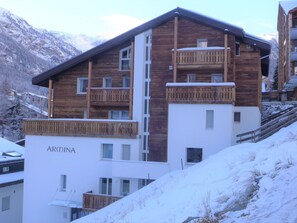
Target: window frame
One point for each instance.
(105, 189)
(121, 114)
(202, 43)
(237, 117)
(191, 78)
(209, 123)
(80, 87)
(217, 75)
(126, 79)
(122, 59)
(63, 182)
(125, 193)
(124, 154)
(195, 159)
(104, 82)
(5, 205)
(237, 48)
(106, 155)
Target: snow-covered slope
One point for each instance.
(244, 183)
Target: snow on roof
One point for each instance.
(7, 146)
(200, 84)
(288, 5)
(201, 48)
(251, 182)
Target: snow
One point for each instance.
(6, 146)
(252, 182)
(288, 5)
(201, 48)
(199, 84)
(11, 177)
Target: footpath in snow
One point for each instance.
(252, 182)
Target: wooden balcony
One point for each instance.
(201, 93)
(209, 57)
(110, 96)
(93, 202)
(81, 127)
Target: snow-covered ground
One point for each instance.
(244, 183)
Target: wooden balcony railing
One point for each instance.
(204, 94)
(194, 57)
(81, 127)
(110, 96)
(93, 202)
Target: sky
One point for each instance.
(109, 18)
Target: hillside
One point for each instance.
(244, 183)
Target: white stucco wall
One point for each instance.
(187, 128)
(250, 120)
(84, 168)
(14, 214)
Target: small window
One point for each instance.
(209, 119)
(216, 78)
(5, 203)
(125, 187)
(202, 43)
(125, 57)
(126, 82)
(107, 82)
(236, 116)
(126, 152)
(107, 151)
(194, 155)
(191, 78)
(119, 114)
(63, 183)
(82, 85)
(5, 169)
(237, 49)
(105, 186)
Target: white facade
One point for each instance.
(45, 198)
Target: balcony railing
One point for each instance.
(81, 127)
(201, 57)
(110, 96)
(203, 93)
(93, 202)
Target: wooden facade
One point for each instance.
(287, 39)
(174, 56)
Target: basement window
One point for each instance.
(194, 155)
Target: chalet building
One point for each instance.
(287, 38)
(11, 181)
(158, 98)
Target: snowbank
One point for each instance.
(244, 183)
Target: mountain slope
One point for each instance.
(244, 183)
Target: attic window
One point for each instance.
(125, 57)
(12, 154)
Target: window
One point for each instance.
(105, 186)
(194, 155)
(5, 203)
(125, 57)
(125, 190)
(126, 152)
(237, 49)
(209, 119)
(236, 116)
(216, 78)
(191, 78)
(126, 82)
(107, 82)
(143, 182)
(202, 43)
(82, 85)
(107, 150)
(5, 169)
(63, 183)
(119, 114)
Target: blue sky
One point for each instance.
(112, 17)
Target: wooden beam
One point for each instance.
(175, 47)
(226, 57)
(49, 99)
(89, 89)
(131, 82)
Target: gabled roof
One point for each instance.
(287, 6)
(42, 79)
